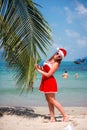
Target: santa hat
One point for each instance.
(62, 52)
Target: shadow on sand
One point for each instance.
(23, 111)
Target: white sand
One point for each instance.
(77, 118)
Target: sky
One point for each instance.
(68, 22)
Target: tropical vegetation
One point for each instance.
(24, 37)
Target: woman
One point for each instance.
(49, 85)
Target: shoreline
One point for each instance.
(37, 118)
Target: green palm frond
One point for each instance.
(25, 35)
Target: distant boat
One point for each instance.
(81, 60)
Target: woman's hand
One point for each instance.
(36, 66)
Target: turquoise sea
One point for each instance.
(72, 91)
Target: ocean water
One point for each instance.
(72, 91)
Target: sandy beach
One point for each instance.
(37, 118)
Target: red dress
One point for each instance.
(48, 84)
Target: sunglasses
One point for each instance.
(57, 53)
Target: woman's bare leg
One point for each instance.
(50, 97)
(51, 110)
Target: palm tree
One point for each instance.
(24, 35)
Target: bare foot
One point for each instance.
(52, 120)
(49, 121)
(65, 118)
